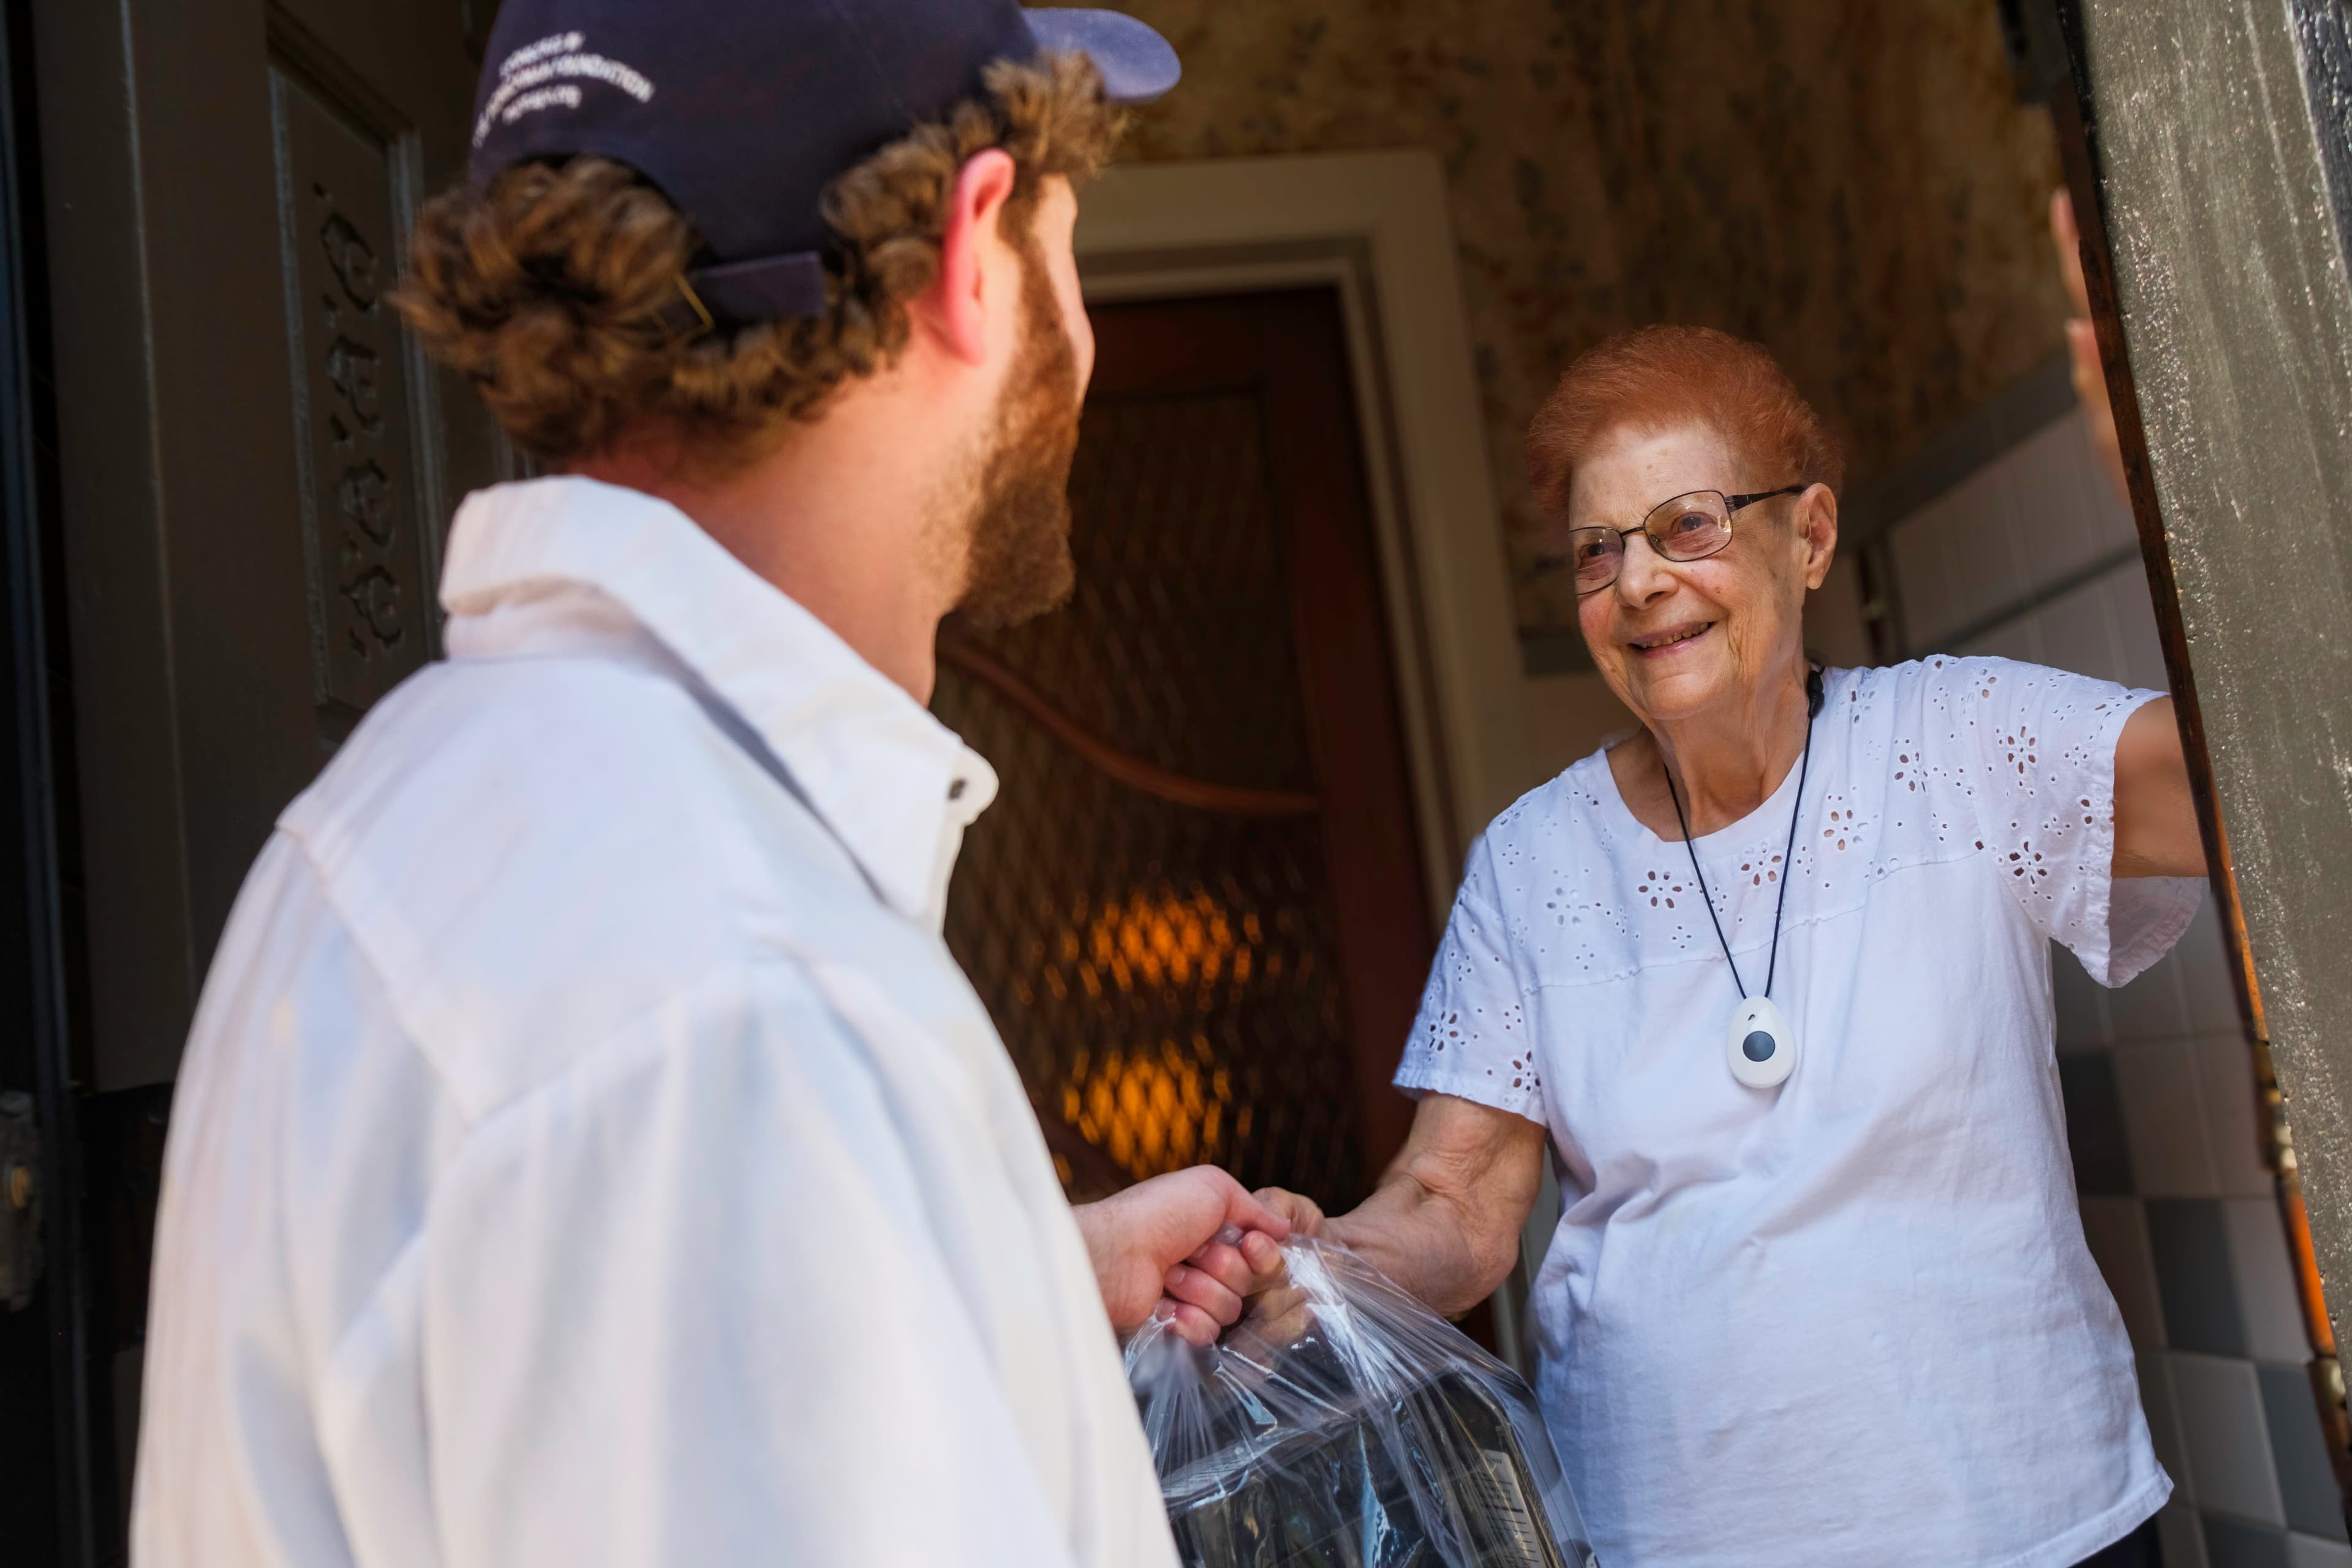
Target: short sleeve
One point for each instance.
(1472, 1038)
(2043, 747)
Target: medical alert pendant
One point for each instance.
(1760, 1047)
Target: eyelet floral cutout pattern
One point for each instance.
(1472, 1037)
(2008, 766)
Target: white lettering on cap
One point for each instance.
(553, 44)
(564, 97)
(524, 76)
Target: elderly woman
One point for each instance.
(1770, 981)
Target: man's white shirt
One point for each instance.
(586, 1155)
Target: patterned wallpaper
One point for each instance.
(1848, 181)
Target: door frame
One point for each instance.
(1375, 226)
(47, 1490)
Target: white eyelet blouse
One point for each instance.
(1850, 1320)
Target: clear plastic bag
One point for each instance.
(1352, 1428)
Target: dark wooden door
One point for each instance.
(1197, 911)
(249, 469)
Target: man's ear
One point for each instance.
(954, 309)
(1817, 515)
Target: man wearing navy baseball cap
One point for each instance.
(587, 1151)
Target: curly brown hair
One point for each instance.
(554, 290)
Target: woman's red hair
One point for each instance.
(1656, 378)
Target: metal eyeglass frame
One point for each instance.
(1731, 506)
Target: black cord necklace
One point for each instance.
(1761, 1047)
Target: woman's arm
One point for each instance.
(1445, 1222)
(2155, 815)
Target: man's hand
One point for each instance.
(1189, 1246)
(2082, 343)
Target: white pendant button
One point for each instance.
(1760, 1046)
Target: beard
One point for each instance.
(1019, 563)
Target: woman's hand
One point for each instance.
(2155, 815)
(1445, 1222)
(1303, 1213)
(1189, 1246)
(2082, 343)
(1277, 1315)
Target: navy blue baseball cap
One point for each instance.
(743, 111)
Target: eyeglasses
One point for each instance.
(1688, 528)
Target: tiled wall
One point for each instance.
(2027, 552)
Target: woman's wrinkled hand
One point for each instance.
(2090, 376)
(1190, 1247)
(1301, 1212)
(1279, 1315)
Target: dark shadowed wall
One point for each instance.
(1849, 181)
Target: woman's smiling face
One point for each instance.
(1677, 638)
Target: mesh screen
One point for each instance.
(1176, 646)
(1165, 977)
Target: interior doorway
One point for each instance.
(1197, 909)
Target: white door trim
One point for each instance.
(1374, 225)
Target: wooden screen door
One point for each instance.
(1197, 910)
(250, 469)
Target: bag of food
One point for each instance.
(1344, 1425)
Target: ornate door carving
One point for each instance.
(346, 182)
(253, 461)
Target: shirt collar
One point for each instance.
(895, 785)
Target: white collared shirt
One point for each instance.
(584, 1155)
